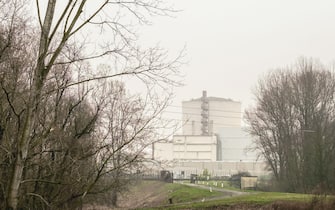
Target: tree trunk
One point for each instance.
(31, 111)
(21, 155)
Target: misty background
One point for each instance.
(231, 44)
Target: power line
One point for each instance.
(185, 121)
(219, 110)
(200, 114)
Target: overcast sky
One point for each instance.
(232, 43)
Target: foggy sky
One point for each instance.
(232, 43)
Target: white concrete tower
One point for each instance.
(206, 115)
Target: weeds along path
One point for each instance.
(144, 194)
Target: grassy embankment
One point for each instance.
(182, 194)
(252, 199)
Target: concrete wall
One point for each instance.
(236, 145)
(191, 117)
(232, 145)
(163, 151)
(188, 155)
(222, 112)
(190, 148)
(194, 148)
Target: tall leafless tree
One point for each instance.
(34, 79)
(293, 125)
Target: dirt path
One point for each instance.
(144, 194)
(155, 193)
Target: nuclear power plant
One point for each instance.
(206, 115)
(212, 139)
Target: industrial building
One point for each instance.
(207, 115)
(187, 148)
(212, 139)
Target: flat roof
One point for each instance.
(211, 98)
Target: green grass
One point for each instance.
(219, 184)
(262, 198)
(266, 197)
(188, 197)
(255, 199)
(182, 193)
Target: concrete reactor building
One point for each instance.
(207, 115)
(212, 139)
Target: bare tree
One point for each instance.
(61, 54)
(293, 125)
(128, 125)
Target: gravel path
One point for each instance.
(228, 192)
